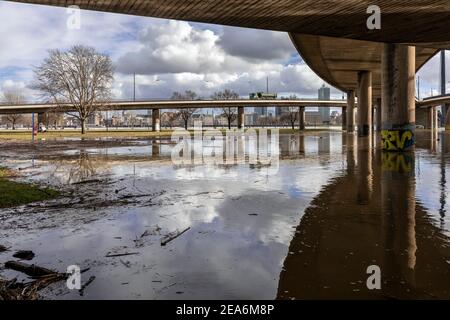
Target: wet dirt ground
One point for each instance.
(335, 206)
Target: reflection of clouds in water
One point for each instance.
(429, 191)
(229, 249)
(276, 214)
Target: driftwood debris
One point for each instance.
(151, 232)
(171, 237)
(24, 255)
(86, 182)
(109, 255)
(126, 263)
(13, 290)
(91, 279)
(130, 196)
(30, 270)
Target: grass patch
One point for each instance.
(23, 135)
(113, 133)
(17, 193)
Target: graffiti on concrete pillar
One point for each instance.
(396, 162)
(397, 140)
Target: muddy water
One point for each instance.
(335, 206)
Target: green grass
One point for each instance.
(112, 133)
(23, 135)
(17, 193)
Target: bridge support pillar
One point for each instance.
(435, 119)
(42, 118)
(301, 118)
(156, 120)
(364, 103)
(344, 118)
(446, 116)
(398, 97)
(351, 111)
(430, 118)
(241, 118)
(378, 126)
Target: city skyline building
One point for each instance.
(324, 93)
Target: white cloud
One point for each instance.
(180, 55)
(189, 57)
(256, 44)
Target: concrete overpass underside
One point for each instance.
(417, 22)
(338, 61)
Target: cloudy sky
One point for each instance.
(166, 55)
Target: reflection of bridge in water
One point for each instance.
(368, 216)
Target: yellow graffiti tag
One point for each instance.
(395, 140)
(395, 162)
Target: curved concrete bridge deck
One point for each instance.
(417, 22)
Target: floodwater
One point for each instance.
(334, 206)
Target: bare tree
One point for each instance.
(230, 113)
(185, 113)
(171, 118)
(292, 112)
(54, 118)
(13, 96)
(292, 116)
(79, 79)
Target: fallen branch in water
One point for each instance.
(121, 254)
(130, 196)
(85, 182)
(30, 270)
(24, 255)
(169, 237)
(91, 279)
(12, 290)
(126, 264)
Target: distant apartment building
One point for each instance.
(280, 111)
(251, 119)
(324, 94)
(95, 119)
(313, 118)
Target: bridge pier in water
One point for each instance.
(364, 103)
(42, 118)
(301, 118)
(378, 114)
(398, 97)
(344, 118)
(350, 111)
(156, 120)
(429, 118)
(446, 115)
(432, 119)
(241, 118)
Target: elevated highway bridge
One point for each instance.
(157, 105)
